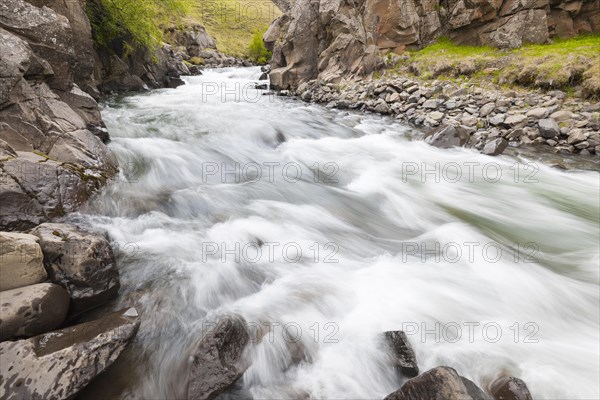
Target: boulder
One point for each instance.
(21, 261)
(548, 128)
(218, 359)
(31, 310)
(404, 357)
(495, 147)
(510, 388)
(82, 262)
(57, 365)
(438, 383)
(448, 136)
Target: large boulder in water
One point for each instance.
(57, 365)
(404, 357)
(218, 359)
(80, 261)
(441, 383)
(510, 388)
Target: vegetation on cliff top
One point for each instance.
(562, 64)
(233, 23)
(134, 23)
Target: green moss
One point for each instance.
(197, 61)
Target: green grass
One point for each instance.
(233, 22)
(562, 64)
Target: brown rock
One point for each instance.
(21, 261)
(510, 388)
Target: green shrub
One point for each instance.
(197, 61)
(257, 50)
(134, 23)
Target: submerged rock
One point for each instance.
(441, 383)
(510, 388)
(218, 359)
(82, 262)
(405, 360)
(59, 364)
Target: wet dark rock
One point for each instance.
(261, 86)
(31, 310)
(82, 262)
(264, 76)
(405, 360)
(218, 359)
(173, 82)
(510, 388)
(57, 365)
(442, 383)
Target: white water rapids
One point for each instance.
(490, 265)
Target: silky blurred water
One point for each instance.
(491, 265)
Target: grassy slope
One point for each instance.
(561, 65)
(232, 22)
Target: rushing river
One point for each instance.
(328, 227)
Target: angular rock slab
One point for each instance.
(21, 261)
(441, 383)
(218, 359)
(405, 360)
(32, 310)
(59, 364)
(80, 261)
(448, 136)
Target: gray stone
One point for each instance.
(21, 261)
(31, 310)
(218, 359)
(432, 104)
(576, 136)
(548, 128)
(538, 113)
(82, 262)
(517, 120)
(495, 147)
(57, 365)
(560, 116)
(487, 109)
(447, 136)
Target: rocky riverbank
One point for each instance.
(48, 279)
(488, 119)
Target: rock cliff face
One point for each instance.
(52, 155)
(330, 39)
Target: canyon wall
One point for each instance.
(331, 39)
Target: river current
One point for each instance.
(327, 227)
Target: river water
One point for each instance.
(326, 228)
